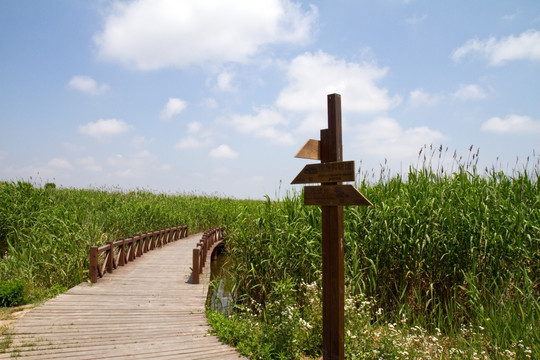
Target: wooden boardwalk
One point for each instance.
(144, 310)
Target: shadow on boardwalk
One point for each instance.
(144, 310)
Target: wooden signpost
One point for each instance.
(331, 196)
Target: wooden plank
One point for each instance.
(330, 172)
(310, 150)
(334, 195)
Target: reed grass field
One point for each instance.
(45, 232)
(445, 265)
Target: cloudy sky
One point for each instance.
(217, 97)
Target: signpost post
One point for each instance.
(331, 196)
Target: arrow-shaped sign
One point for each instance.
(310, 150)
(330, 172)
(334, 195)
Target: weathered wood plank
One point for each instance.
(144, 310)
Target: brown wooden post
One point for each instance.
(167, 235)
(134, 247)
(122, 259)
(196, 267)
(160, 236)
(128, 246)
(204, 250)
(93, 258)
(142, 241)
(152, 240)
(331, 150)
(110, 261)
(172, 236)
(146, 240)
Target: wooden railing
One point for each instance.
(108, 257)
(210, 239)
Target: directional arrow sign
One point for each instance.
(334, 195)
(310, 150)
(326, 173)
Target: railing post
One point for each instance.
(122, 260)
(145, 242)
(202, 258)
(157, 239)
(110, 262)
(163, 237)
(205, 249)
(132, 254)
(166, 235)
(93, 257)
(196, 267)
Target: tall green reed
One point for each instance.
(45, 233)
(441, 250)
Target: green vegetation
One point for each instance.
(45, 233)
(443, 266)
(11, 293)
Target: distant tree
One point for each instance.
(50, 185)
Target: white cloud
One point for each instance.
(386, 137)
(60, 163)
(470, 92)
(313, 122)
(141, 141)
(419, 97)
(223, 152)
(192, 142)
(511, 17)
(313, 76)
(104, 127)
(90, 164)
(263, 125)
(165, 167)
(224, 81)
(34, 170)
(173, 107)
(152, 34)
(210, 103)
(194, 127)
(87, 85)
(134, 165)
(523, 47)
(512, 124)
(196, 139)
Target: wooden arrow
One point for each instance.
(334, 195)
(331, 172)
(310, 150)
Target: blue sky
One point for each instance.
(216, 97)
